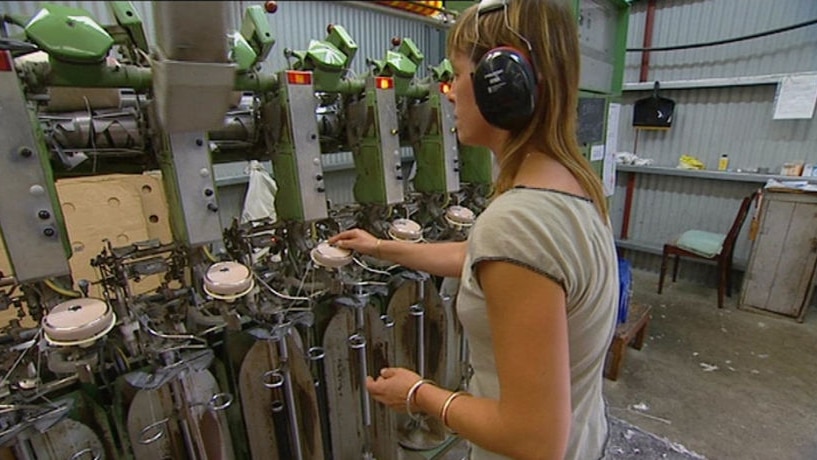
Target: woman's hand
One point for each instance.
(392, 387)
(356, 240)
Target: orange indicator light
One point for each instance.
(295, 77)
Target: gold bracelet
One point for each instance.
(410, 396)
(377, 249)
(447, 405)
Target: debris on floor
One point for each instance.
(630, 442)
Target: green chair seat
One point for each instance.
(704, 244)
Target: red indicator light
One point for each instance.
(5, 62)
(295, 77)
(445, 88)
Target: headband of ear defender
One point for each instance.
(504, 79)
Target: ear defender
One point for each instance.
(505, 84)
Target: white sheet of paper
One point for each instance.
(796, 97)
(609, 174)
(611, 148)
(597, 152)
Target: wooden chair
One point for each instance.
(717, 247)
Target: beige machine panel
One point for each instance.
(122, 208)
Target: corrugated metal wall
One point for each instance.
(679, 22)
(709, 122)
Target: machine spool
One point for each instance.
(460, 216)
(328, 256)
(78, 322)
(228, 281)
(405, 230)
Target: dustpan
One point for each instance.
(654, 112)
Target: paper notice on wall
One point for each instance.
(610, 149)
(597, 153)
(796, 97)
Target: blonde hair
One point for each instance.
(551, 28)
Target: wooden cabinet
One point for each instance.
(780, 276)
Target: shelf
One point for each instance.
(715, 175)
(725, 82)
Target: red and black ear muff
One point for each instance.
(505, 87)
(505, 80)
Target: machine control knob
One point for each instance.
(49, 232)
(25, 152)
(212, 207)
(44, 214)
(208, 192)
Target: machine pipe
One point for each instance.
(289, 397)
(418, 312)
(357, 342)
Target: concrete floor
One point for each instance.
(725, 384)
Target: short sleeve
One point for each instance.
(511, 232)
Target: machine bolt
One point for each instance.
(321, 189)
(204, 172)
(208, 192)
(49, 232)
(199, 142)
(318, 177)
(398, 167)
(454, 130)
(399, 177)
(271, 7)
(25, 152)
(43, 214)
(212, 207)
(394, 131)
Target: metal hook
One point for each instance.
(94, 454)
(144, 434)
(272, 379)
(220, 401)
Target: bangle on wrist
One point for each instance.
(412, 393)
(447, 405)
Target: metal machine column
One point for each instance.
(30, 215)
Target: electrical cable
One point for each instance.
(727, 40)
(59, 290)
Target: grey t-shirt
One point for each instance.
(560, 236)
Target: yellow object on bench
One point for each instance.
(634, 330)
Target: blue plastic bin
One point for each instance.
(625, 286)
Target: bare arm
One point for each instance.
(439, 259)
(528, 320)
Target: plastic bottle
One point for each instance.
(723, 163)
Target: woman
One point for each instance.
(538, 290)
